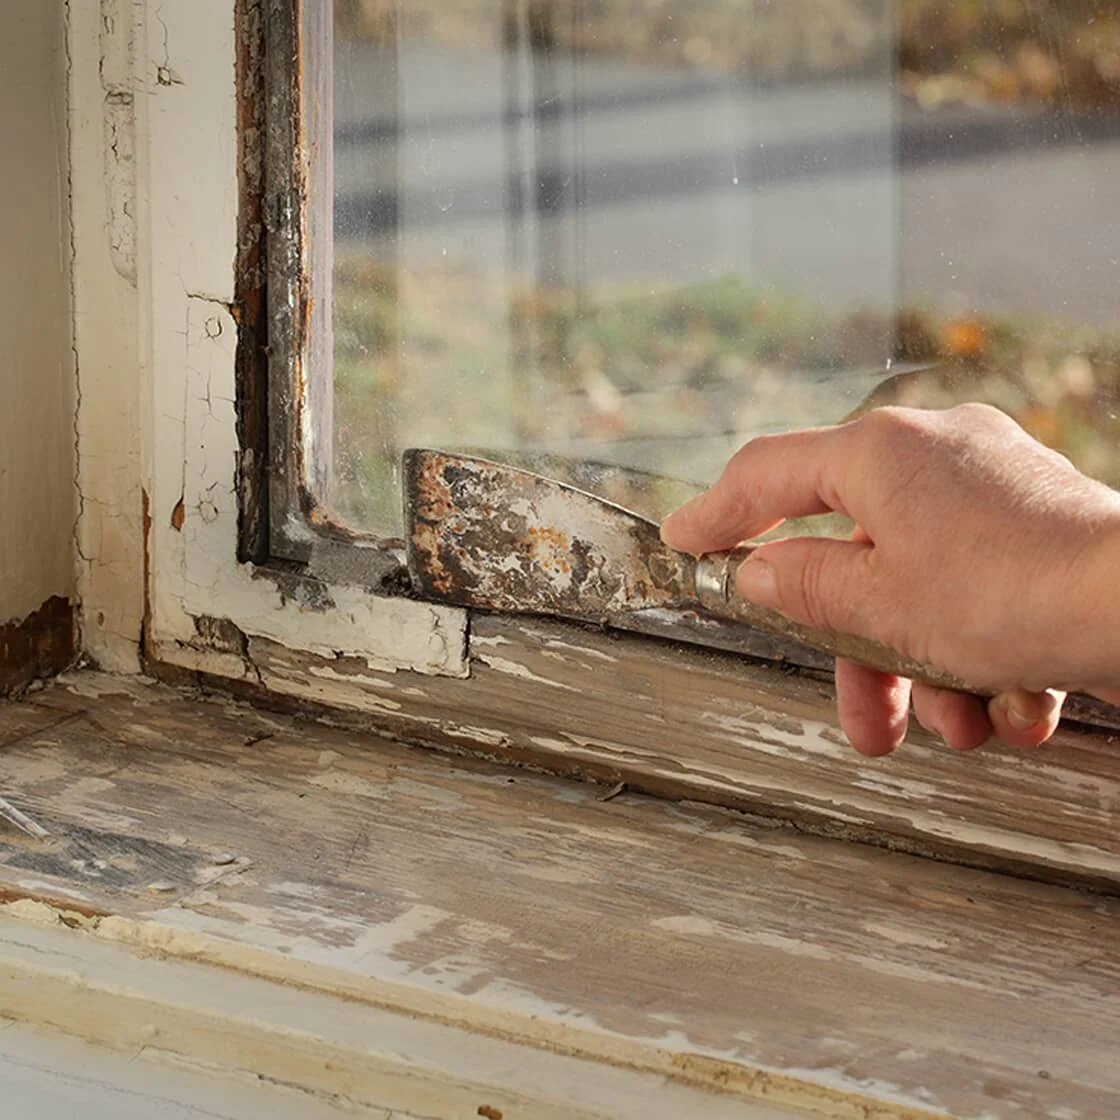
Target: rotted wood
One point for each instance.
(36, 646)
(686, 941)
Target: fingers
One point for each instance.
(817, 581)
(873, 713)
(962, 721)
(769, 479)
(1025, 719)
(874, 708)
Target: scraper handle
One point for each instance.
(715, 588)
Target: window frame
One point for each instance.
(294, 188)
(284, 406)
(322, 634)
(212, 574)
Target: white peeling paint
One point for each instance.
(899, 936)
(881, 1090)
(516, 669)
(895, 786)
(548, 743)
(695, 926)
(1083, 858)
(325, 672)
(491, 641)
(583, 652)
(51, 889)
(192, 194)
(487, 736)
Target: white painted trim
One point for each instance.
(328, 1047)
(46, 1075)
(109, 539)
(188, 154)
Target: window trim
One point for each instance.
(319, 638)
(203, 599)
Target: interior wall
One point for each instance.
(37, 491)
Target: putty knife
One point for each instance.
(481, 534)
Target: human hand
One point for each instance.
(977, 550)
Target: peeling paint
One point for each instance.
(532, 907)
(348, 621)
(516, 669)
(486, 736)
(117, 42)
(354, 632)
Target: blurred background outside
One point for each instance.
(596, 234)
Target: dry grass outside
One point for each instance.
(672, 381)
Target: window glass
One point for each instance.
(617, 238)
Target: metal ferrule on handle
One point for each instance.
(715, 577)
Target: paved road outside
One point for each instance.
(638, 174)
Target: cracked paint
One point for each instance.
(350, 621)
(160, 371)
(119, 124)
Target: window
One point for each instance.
(613, 243)
(639, 235)
(603, 231)
(615, 239)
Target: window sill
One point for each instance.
(687, 723)
(672, 953)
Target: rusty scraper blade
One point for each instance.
(481, 534)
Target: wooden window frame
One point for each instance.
(321, 633)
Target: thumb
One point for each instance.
(819, 582)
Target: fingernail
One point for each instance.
(669, 524)
(757, 582)
(1021, 721)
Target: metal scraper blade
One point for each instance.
(482, 534)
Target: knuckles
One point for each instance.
(892, 422)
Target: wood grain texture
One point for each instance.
(679, 940)
(683, 723)
(317, 1057)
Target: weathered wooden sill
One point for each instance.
(508, 940)
(686, 723)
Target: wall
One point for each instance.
(37, 494)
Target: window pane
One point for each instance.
(637, 233)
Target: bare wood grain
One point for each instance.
(685, 723)
(687, 941)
